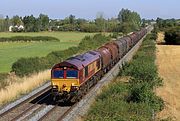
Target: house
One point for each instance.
(16, 28)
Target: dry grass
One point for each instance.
(160, 38)
(168, 61)
(21, 86)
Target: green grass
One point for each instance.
(62, 36)
(11, 51)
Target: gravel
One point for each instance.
(41, 113)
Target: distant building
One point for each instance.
(10, 28)
(16, 28)
(21, 27)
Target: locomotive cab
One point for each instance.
(64, 79)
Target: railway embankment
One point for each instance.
(131, 96)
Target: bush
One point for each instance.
(144, 76)
(26, 66)
(112, 105)
(172, 36)
(89, 43)
(28, 38)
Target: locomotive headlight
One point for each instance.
(54, 86)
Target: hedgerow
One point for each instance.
(172, 36)
(135, 100)
(27, 38)
(27, 66)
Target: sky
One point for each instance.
(88, 9)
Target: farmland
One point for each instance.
(11, 51)
(168, 61)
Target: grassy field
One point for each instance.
(62, 36)
(11, 51)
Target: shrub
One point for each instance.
(28, 38)
(172, 36)
(112, 105)
(144, 76)
(26, 66)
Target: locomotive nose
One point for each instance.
(65, 88)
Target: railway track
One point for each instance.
(56, 113)
(60, 110)
(26, 107)
(34, 107)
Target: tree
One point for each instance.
(71, 19)
(6, 23)
(16, 21)
(44, 22)
(124, 15)
(31, 24)
(100, 21)
(129, 19)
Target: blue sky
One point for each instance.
(89, 8)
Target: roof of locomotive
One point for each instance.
(80, 61)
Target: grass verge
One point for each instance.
(133, 100)
(19, 86)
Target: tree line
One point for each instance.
(171, 27)
(162, 24)
(126, 21)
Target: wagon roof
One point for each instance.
(126, 38)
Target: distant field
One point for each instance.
(11, 51)
(62, 36)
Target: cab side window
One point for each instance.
(86, 71)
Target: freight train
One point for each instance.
(72, 78)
